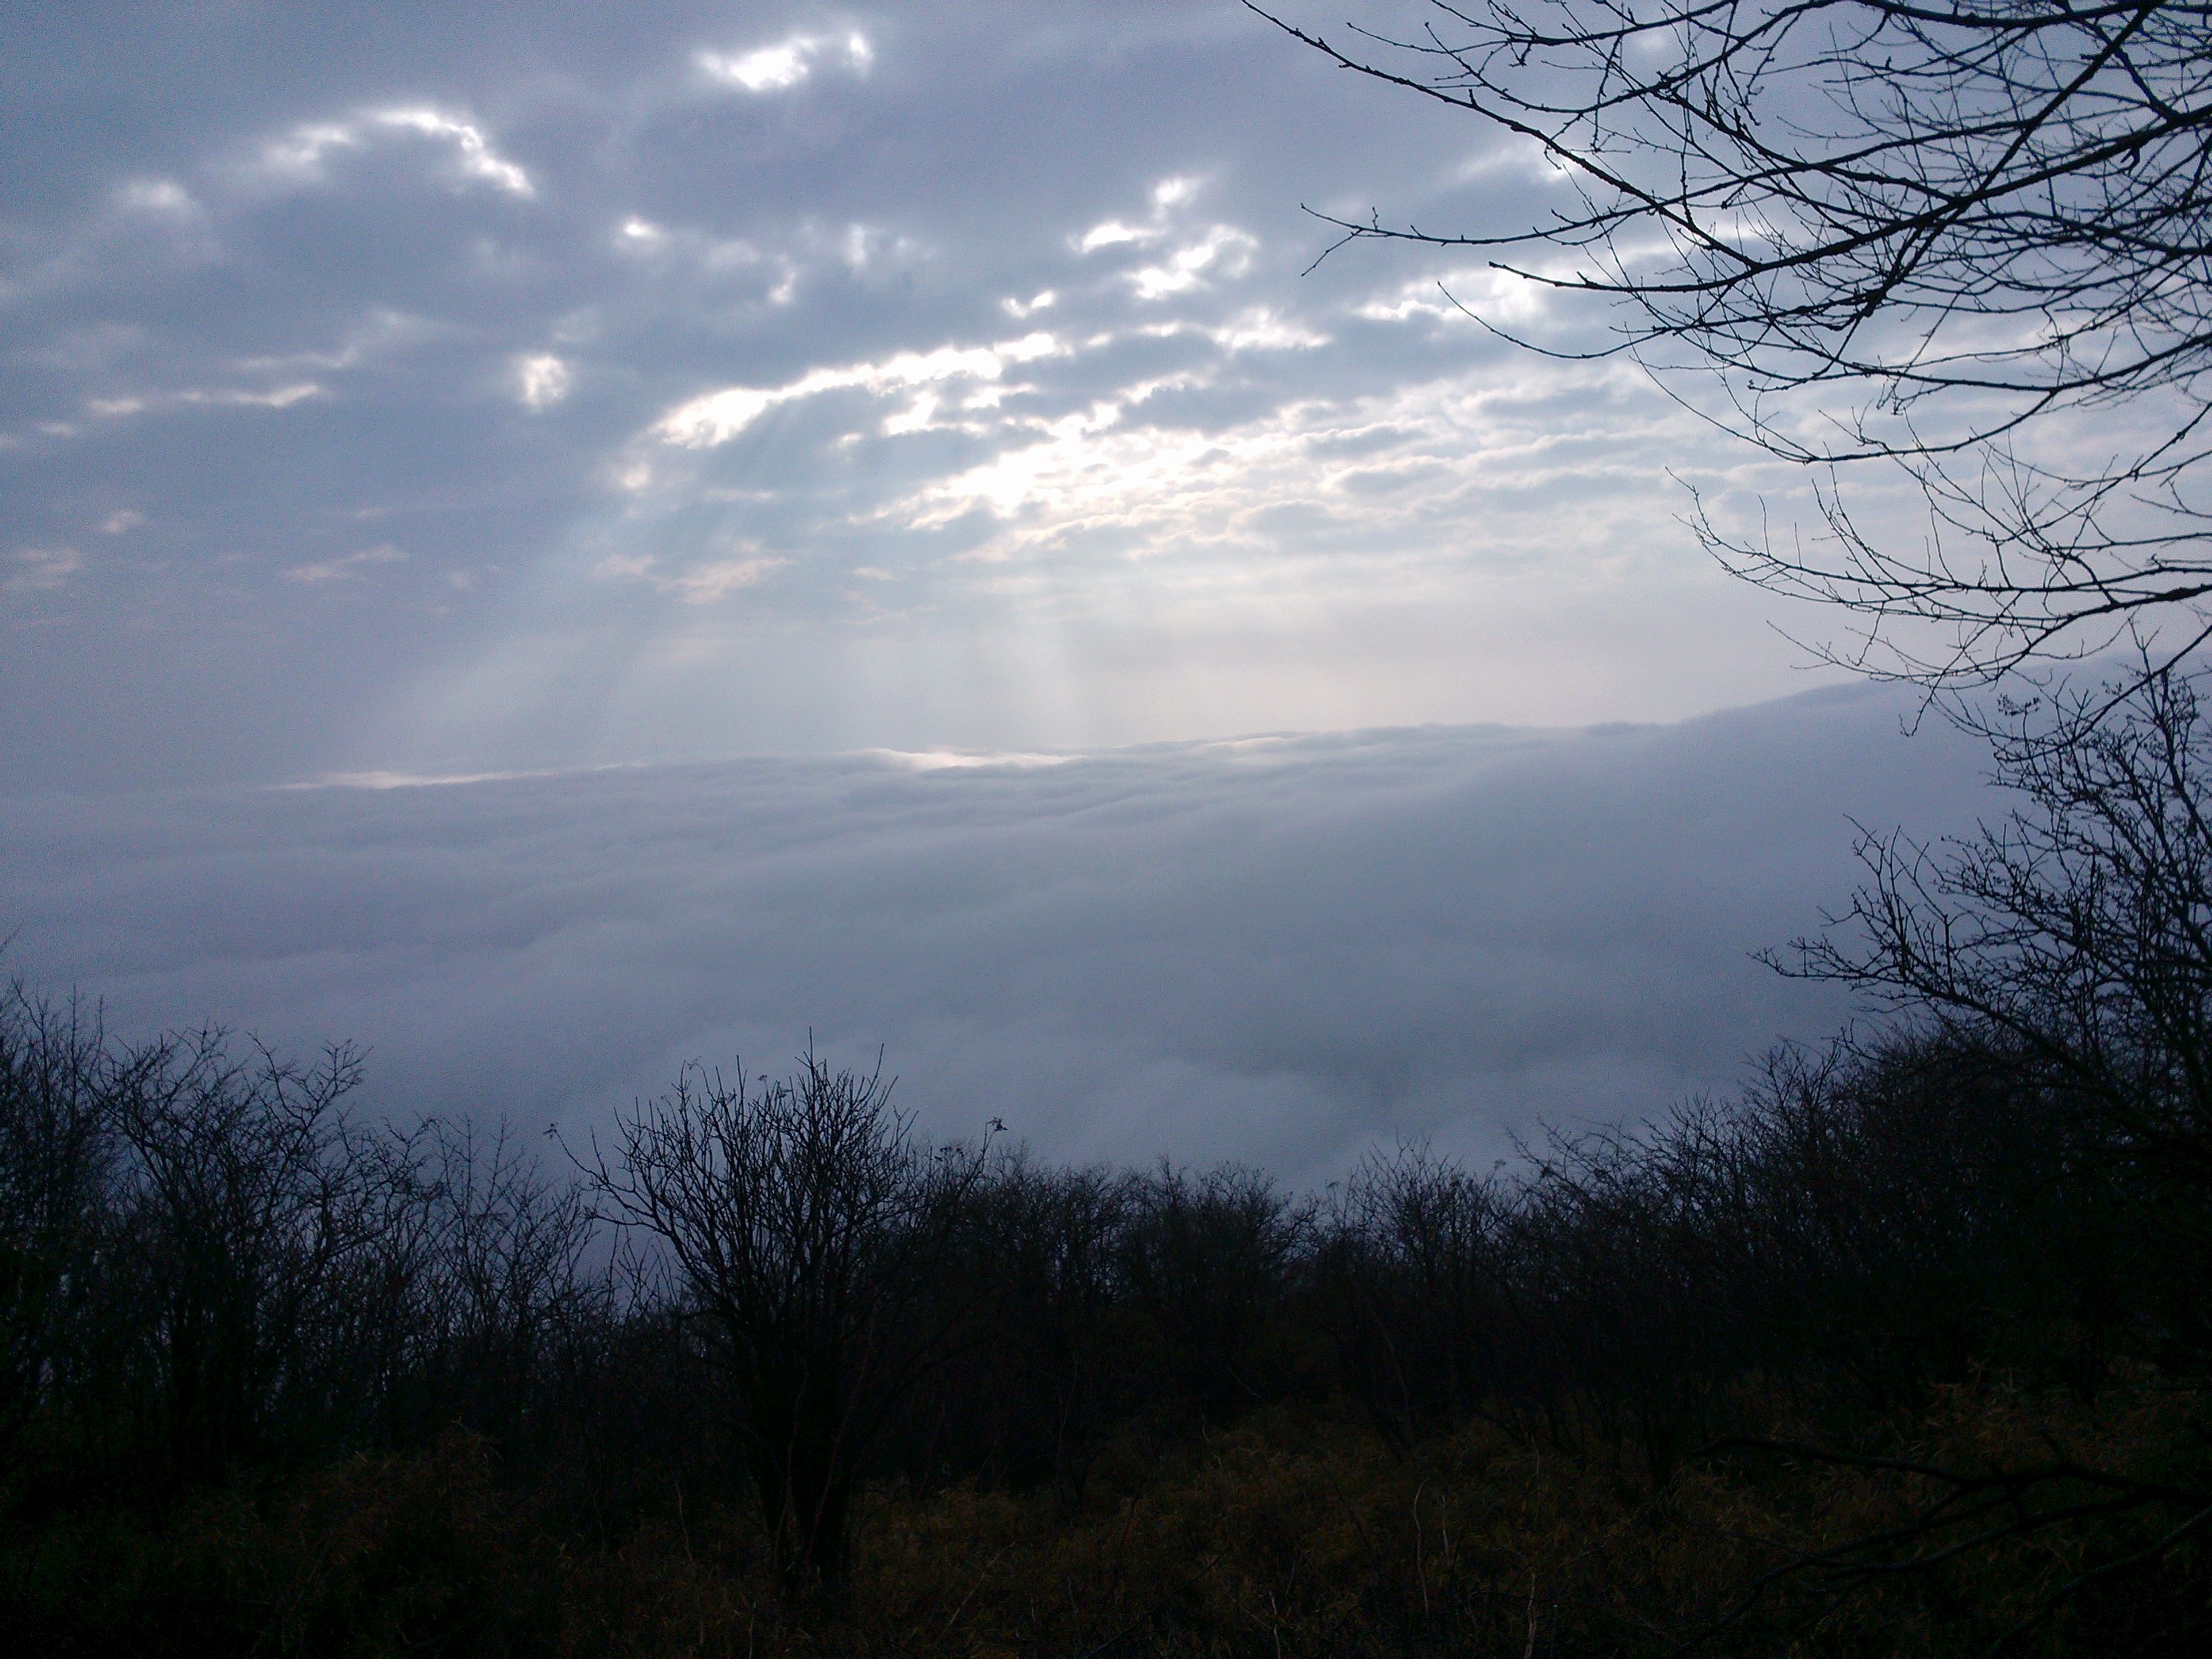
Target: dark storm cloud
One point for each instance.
(380, 382)
(1281, 949)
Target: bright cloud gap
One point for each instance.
(786, 65)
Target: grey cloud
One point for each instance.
(1279, 949)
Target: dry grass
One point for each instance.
(1294, 1535)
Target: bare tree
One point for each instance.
(58, 1078)
(1411, 1268)
(1970, 238)
(254, 1241)
(1207, 1260)
(2079, 926)
(806, 1226)
(505, 1281)
(1042, 1386)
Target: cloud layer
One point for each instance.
(1281, 950)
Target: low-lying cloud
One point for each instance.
(1281, 950)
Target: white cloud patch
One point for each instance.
(473, 153)
(142, 403)
(780, 67)
(715, 417)
(1167, 195)
(300, 155)
(943, 759)
(1223, 250)
(1463, 294)
(163, 197)
(380, 333)
(541, 381)
(701, 583)
(40, 569)
(300, 152)
(1262, 328)
(1515, 155)
(1112, 233)
(404, 780)
(350, 567)
(1387, 468)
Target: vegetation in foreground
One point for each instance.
(1903, 1350)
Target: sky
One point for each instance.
(552, 540)
(401, 388)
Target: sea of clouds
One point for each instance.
(1280, 949)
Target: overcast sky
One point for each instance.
(396, 393)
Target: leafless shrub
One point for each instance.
(58, 1078)
(807, 1227)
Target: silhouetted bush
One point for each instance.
(810, 1233)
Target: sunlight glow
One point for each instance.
(300, 154)
(477, 158)
(780, 67)
(718, 417)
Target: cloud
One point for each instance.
(378, 334)
(1282, 949)
(348, 568)
(41, 569)
(1112, 233)
(1360, 469)
(541, 381)
(473, 153)
(715, 417)
(404, 780)
(1167, 195)
(701, 583)
(784, 65)
(164, 197)
(1222, 245)
(301, 154)
(1224, 249)
(1483, 293)
(1515, 154)
(141, 403)
(301, 151)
